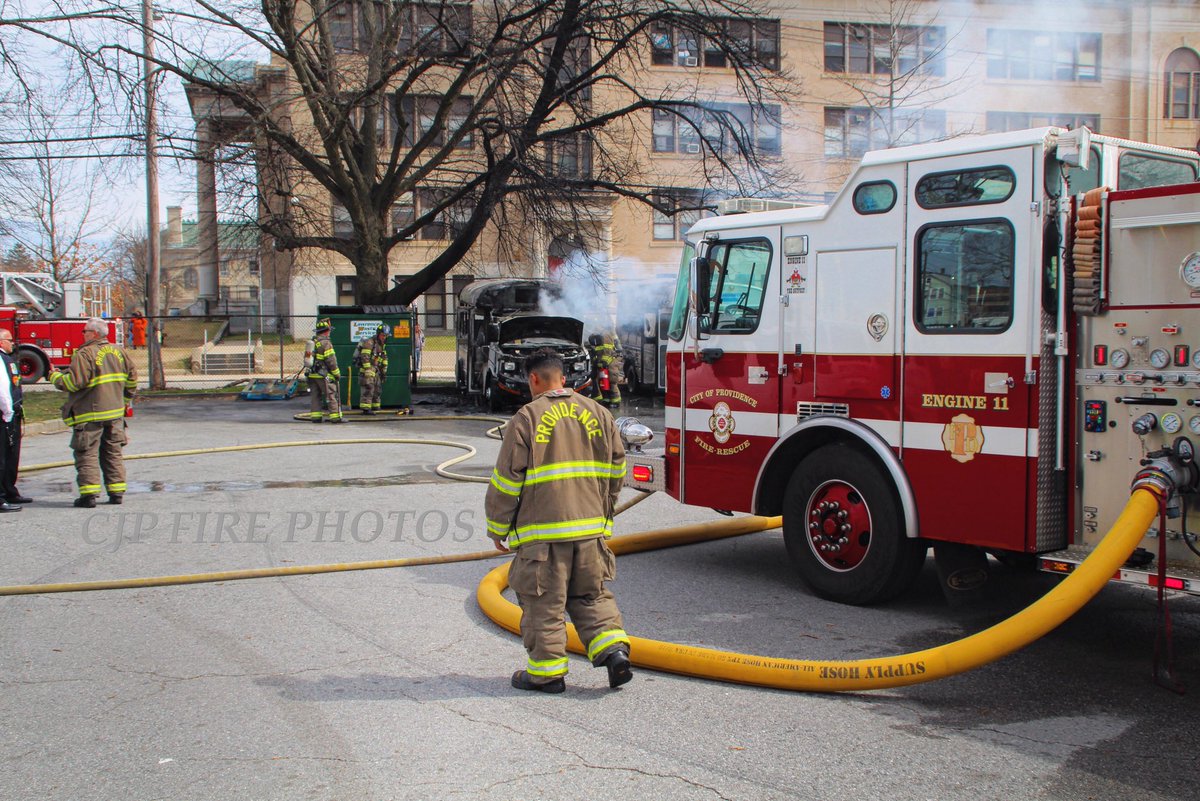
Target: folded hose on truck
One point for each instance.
(864, 674)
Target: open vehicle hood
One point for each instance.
(536, 326)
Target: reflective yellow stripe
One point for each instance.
(66, 380)
(117, 487)
(561, 470)
(547, 667)
(94, 417)
(502, 484)
(108, 378)
(496, 527)
(89, 489)
(566, 530)
(606, 639)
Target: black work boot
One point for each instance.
(523, 681)
(115, 499)
(619, 669)
(85, 502)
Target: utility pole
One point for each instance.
(154, 345)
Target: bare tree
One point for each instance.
(892, 74)
(395, 117)
(48, 200)
(128, 274)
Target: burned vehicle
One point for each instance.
(499, 324)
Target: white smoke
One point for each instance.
(604, 293)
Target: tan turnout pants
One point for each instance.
(97, 448)
(369, 390)
(323, 395)
(551, 578)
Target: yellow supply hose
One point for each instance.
(788, 674)
(863, 674)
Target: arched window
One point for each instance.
(1181, 85)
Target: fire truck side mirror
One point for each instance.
(697, 284)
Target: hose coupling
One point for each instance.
(1165, 477)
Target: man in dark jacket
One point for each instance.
(11, 418)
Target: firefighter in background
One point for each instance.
(371, 359)
(608, 362)
(137, 330)
(101, 380)
(321, 369)
(551, 499)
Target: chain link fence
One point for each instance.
(224, 351)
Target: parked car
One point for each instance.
(499, 324)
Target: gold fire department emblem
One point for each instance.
(962, 438)
(721, 423)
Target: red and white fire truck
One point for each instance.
(961, 349)
(47, 318)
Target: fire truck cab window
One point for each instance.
(736, 286)
(966, 187)
(1141, 170)
(679, 308)
(876, 197)
(965, 276)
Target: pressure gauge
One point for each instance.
(1194, 424)
(1170, 423)
(1184, 450)
(1189, 270)
(1196, 358)
(1160, 358)
(1119, 358)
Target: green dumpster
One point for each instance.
(350, 324)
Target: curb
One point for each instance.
(46, 427)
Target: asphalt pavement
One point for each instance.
(391, 684)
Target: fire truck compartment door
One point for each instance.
(731, 380)
(855, 341)
(971, 342)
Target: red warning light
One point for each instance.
(643, 473)
(1182, 352)
(1100, 355)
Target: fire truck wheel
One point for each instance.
(844, 529)
(32, 368)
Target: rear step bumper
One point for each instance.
(1178, 577)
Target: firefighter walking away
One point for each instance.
(101, 380)
(551, 499)
(371, 359)
(323, 375)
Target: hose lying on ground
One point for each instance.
(864, 674)
(789, 674)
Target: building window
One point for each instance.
(1004, 121)
(754, 40)
(448, 223)
(882, 49)
(967, 268)
(191, 279)
(681, 132)
(435, 28)
(252, 266)
(347, 289)
(223, 268)
(569, 157)
(1043, 56)
(673, 225)
(418, 116)
(343, 228)
(424, 27)
(385, 118)
(1181, 85)
(851, 132)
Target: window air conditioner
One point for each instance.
(691, 148)
(691, 61)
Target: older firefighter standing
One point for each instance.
(323, 376)
(101, 380)
(372, 361)
(551, 499)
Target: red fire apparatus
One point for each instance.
(47, 318)
(961, 349)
